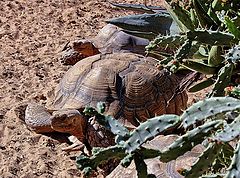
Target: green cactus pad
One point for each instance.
(211, 37)
(101, 107)
(198, 66)
(232, 27)
(224, 158)
(215, 57)
(108, 122)
(207, 108)
(116, 127)
(149, 129)
(171, 41)
(205, 160)
(141, 166)
(230, 131)
(100, 156)
(146, 23)
(233, 56)
(90, 111)
(201, 85)
(126, 161)
(183, 51)
(234, 169)
(223, 80)
(187, 141)
(181, 16)
(202, 15)
(146, 35)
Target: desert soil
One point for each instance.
(32, 33)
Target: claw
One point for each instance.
(101, 134)
(76, 146)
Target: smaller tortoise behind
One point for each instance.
(110, 39)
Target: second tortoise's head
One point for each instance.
(78, 50)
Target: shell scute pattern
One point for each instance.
(111, 39)
(132, 87)
(70, 82)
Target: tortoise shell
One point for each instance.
(110, 39)
(132, 87)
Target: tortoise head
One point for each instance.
(69, 121)
(78, 50)
(84, 47)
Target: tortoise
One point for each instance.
(110, 39)
(131, 85)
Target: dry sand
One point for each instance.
(32, 33)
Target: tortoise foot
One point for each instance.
(38, 118)
(76, 146)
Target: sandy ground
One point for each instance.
(32, 33)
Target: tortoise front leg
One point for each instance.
(98, 135)
(40, 120)
(76, 145)
(37, 118)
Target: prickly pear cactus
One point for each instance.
(107, 121)
(187, 141)
(204, 162)
(215, 132)
(234, 169)
(203, 110)
(230, 131)
(233, 56)
(148, 130)
(209, 25)
(213, 25)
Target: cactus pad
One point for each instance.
(207, 108)
(150, 129)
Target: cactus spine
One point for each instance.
(150, 129)
(209, 107)
(215, 128)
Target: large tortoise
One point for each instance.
(132, 87)
(130, 84)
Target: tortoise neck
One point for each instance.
(79, 131)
